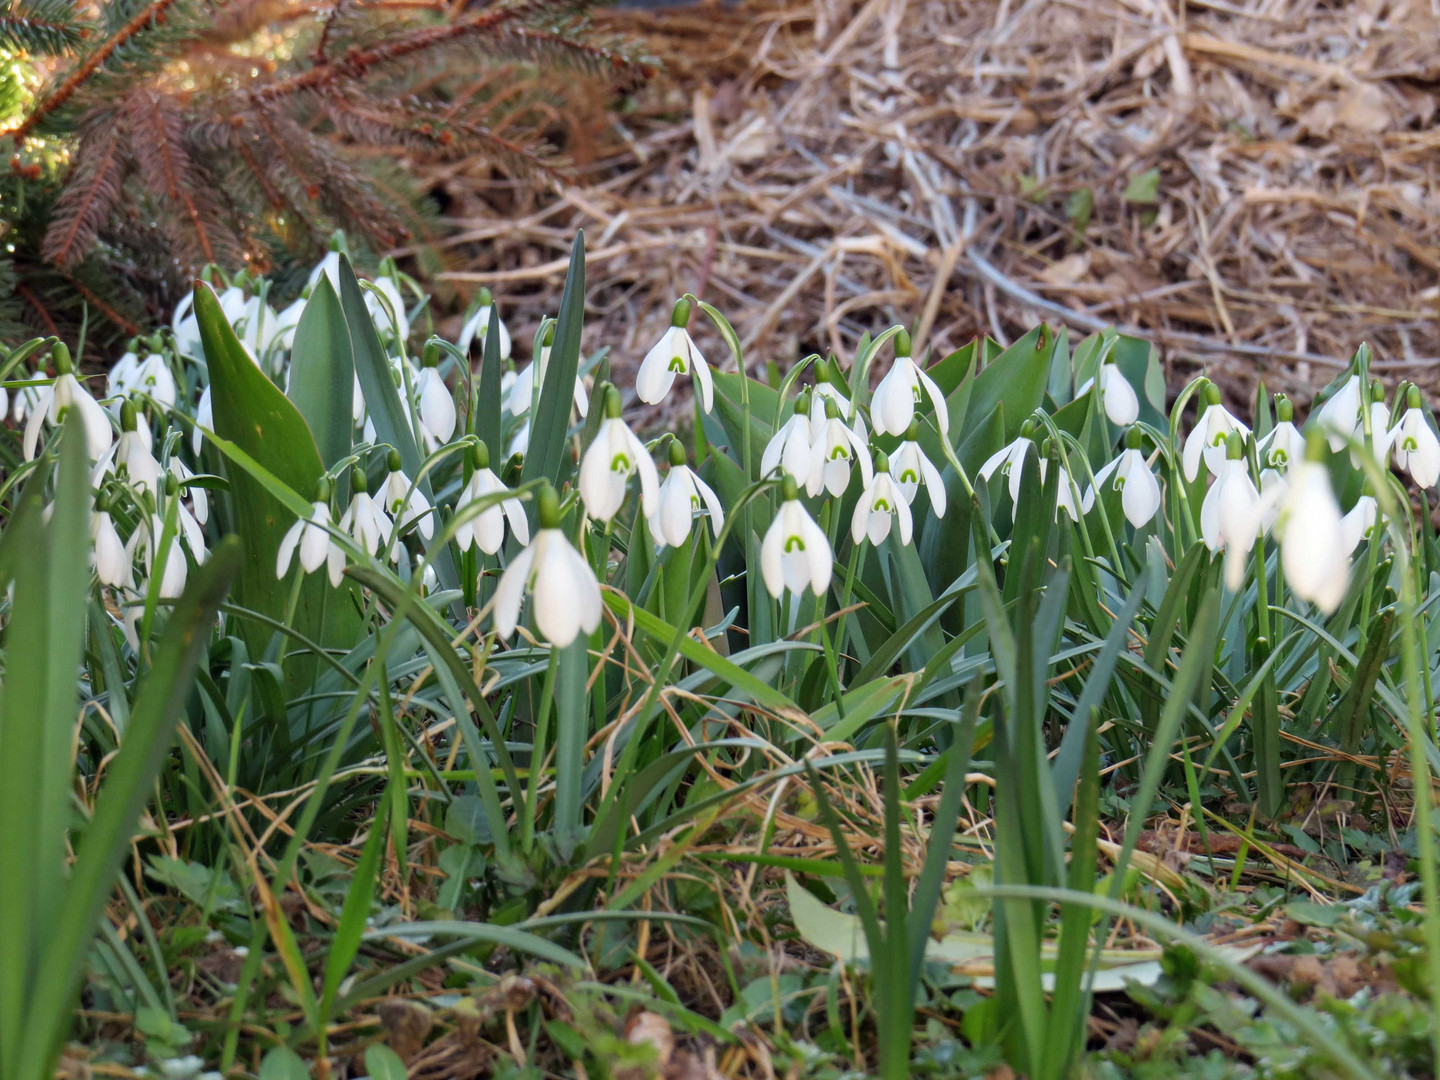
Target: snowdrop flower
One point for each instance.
(257, 326)
(826, 390)
(478, 325)
(565, 597)
(879, 505)
(1415, 447)
(792, 446)
(1283, 444)
(58, 399)
(186, 327)
(112, 565)
(1009, 460)
(146, 540)
(1273, 485)
(154, 378)
(27, 398)
(204, 420)
(404, 502)
(312, 538)
(1339, 417)
(1311, 530)
(329, 266)
(436, 407)
(1117, 396)
(682, 495)
(487, 529)
(1230, 515)
(674, 354)
(122, 372)
(529, 382)
(1067, 492)
(1359, 523)
(1381, 433)
(286, 323)
(1206, 441)
(903, 387)
(376, 306)
(132, 452)
(1130, 475)
(795, 553)
(830, 455)
(610, 461)
(365, 519)
(911, 468)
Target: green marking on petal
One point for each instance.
(909, 476)
(794, 543)
(677, 364)
(620, 463)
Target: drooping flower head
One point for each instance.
(1339, 417)
(795, 553)
(526, 388)
(565, 595)
(832, 452)
(1206, 441)
(903, 388)
(911, 469)
(1230, 516)
(880, 505)
(58, 399)
(683, 495)
(609, 462)
(1117, 396)
(1283, 444)
(1129, 475)
(1009, 460)
(436, 407)
(404, 501)
(477, 326)
(365, 519)
(312, 538)
(1415, 447)
(487, 528)
(674, 354)
(1311, 530)
(792, 447)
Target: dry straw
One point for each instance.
(1250, 184)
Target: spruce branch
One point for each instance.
(90, 192)
(150, 14)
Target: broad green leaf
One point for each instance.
(252, 413)
(382, 1063)
(387, 409)
(322, 373)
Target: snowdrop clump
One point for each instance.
(842, 467)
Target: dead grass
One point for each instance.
(819, 169)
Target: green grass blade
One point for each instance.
(159, 704)
(552, 415)
(37, 716)
(487, 407)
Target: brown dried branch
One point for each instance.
(157, 131)
(90, 192)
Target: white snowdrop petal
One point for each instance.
(511, 589)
